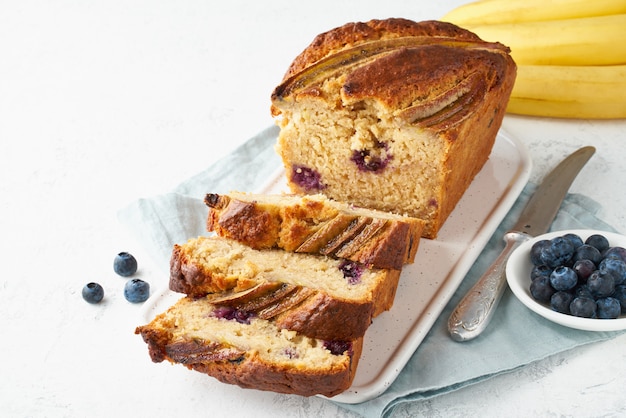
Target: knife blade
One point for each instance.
(474, 312)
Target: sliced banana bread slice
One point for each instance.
(242, 349)
(315, 224)
(318, 296)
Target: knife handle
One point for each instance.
(473, 313)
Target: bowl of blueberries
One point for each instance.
(575, 278)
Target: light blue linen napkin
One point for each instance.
(439, 365)
(161, 221)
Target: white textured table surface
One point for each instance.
(102, 102)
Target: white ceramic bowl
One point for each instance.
(518, 276)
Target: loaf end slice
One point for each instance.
(248, 351)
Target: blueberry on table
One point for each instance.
(125, 264)
(608, 308)
(136, 291)
(93, 292)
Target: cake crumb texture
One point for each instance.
(392, 115)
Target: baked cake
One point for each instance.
(248, 351)
(315, 224)
(393, 115)
(317, 296)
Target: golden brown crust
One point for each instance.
(356, 32)
(253, 374)
(307, 225)
(305, 310)
(191, 278)
(246, 368)
(242, 221)
(398, 62)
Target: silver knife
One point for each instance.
(473, 313)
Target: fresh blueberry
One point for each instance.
(575, 239)
(562, 251)
(563, 278)
(547, 257)
(93, 292)
(536, 251)
(608, 308)
(541, 290)
(598, 241)
(601, 284)
(616, 267)
(583, 291)
(560, 301)
(583, 269)
(125, 264)
(136, 291)
(583, 307)
(588, 252)
(620, 295)
(616, 252)
(540, 271)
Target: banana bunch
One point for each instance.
(571, 54)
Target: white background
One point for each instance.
(103, 102)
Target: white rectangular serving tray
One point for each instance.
(440, 265)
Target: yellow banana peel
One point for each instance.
(592, 92)
(487, 12)
(571, 54)
(599, 40)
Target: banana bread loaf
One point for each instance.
(242, 349)
(393, 115)
(315, 224)
(315, 295)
